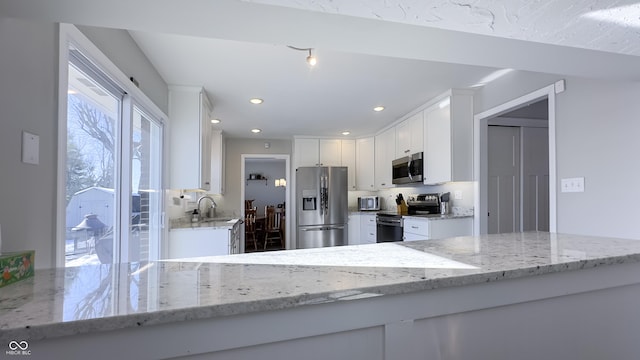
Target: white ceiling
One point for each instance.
(393, 53)
(336, 95)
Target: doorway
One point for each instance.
(264, 197)
(544, 216)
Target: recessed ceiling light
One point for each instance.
(256, 101)
(346, 133)
(378, 108)
(215, 121)
(255, 131)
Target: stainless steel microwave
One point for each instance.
(408, 169)
(366, 203)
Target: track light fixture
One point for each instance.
(311, 60)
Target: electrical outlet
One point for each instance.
(457, 195)
(572, 185)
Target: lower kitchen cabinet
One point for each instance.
(368, 229)
(416, 228)
(204, 241)
(354, 229)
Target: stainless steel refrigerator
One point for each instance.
(322, 215)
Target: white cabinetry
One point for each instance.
(306, 152)
(204, 241)
(385, 150)
(348, 159)
(189, 138)
(330, 152)
(416, 228)
(367, 228)
(448, 138)
(217, 162)
(185, 243)
(326, 152)
(354, 229)
(365, 158)
(409, 135)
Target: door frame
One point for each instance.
(480, 160)
(287, 192)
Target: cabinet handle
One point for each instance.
(406, 151)
(414, 227)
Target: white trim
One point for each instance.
(480, 162)
(63, 88)
(287, 199)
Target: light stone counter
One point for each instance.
(93, 299)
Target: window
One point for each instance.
(113, 170)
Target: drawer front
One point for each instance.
(418, 227)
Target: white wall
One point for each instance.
(28, 69)
(597, 125)
(231, 202)
(124, 52)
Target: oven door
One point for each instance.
(389, 228)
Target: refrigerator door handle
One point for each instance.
(323, 228)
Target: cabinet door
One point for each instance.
(416, 123)
(205, 142)
(189, 138)
(365, 159)
(348, 159)
(306, 152)
(385, 145)
(217, 162)
(437, 135)
(368, 229)
(403, 139)
(354, 229)
(330, 152)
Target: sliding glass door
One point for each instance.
(113, 171)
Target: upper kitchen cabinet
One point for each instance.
(189, 138)
(448, 138)
(348, 159)
(326, 152)
(385, 152)
(409, 135)
(217, 162)
(365, 158)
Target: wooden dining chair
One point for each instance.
(250, 227)
(272, 229)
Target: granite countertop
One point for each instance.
(93, 298)
(216, 223)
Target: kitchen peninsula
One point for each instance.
(524, 296)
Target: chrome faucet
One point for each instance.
(213, 205)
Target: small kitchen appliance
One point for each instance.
(368, 203)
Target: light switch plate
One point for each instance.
(457, 195)
(572, 185)
(30, 148)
